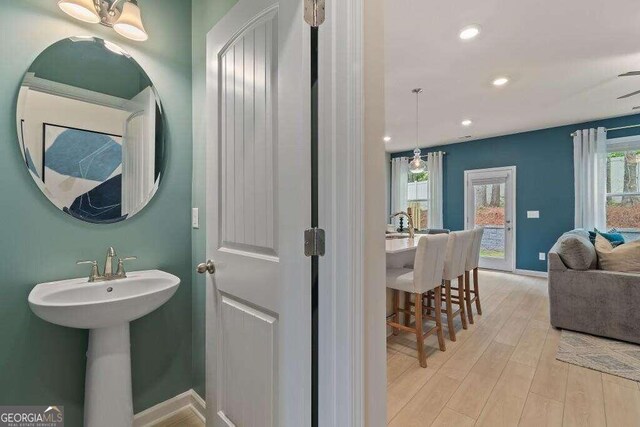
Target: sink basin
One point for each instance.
(77, 303)
(106, 308)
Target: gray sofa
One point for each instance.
(596, 302)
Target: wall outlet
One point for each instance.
(533, 214)
(195, 218)
(542, 256)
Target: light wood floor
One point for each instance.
(502, 371)
(183, 418)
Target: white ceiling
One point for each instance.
(562, 57)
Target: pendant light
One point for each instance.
(417, 165)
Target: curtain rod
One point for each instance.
(618, 128)
(425, 156)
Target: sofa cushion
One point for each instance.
(577, 252)
(624, 258)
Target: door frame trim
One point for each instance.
(341, 342)
(512, 170)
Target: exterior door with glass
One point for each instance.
(490, 203)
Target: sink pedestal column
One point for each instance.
(108, 400)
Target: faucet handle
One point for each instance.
(94, 269)
(120, 271)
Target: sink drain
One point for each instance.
(109, 289)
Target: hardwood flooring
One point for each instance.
(502, 371)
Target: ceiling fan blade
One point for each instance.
(630, 73)
(629, 95)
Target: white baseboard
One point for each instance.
(531, 273)
(168, 408)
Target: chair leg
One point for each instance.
(463, 314)
(476, 289)
(396, 309)
(449, 310)
(429, 303)
(438, 309)
(422, 357)
(407, 307)
(467, 295)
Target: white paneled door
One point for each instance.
(258, 206)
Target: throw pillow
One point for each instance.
(577, 252)
(613, 236)
(625, 258)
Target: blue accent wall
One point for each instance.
(544, 181)
(44, 364)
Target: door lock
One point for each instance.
(206, 267)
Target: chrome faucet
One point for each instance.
(410, 221)
(107, 274)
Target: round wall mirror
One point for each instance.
(90, 129)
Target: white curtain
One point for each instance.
(434, 166)
(399, 186)
(590, 175)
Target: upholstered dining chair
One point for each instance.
(454, 265)
(425, 276)
(473, 260)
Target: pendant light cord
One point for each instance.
(417, 118)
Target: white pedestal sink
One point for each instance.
(106, 308)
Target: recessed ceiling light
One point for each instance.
(469, 32)
(387, 138)
(466, 122)
(500, 81)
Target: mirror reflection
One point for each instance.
(90, 129)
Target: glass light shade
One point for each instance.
(84, 10)
(417, 165)
(129, 24)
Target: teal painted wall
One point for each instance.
(544, 181)
(206, 13)
(41, 363)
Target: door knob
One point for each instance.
(206, 267)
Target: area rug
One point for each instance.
(613, 357)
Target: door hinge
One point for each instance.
(314, 12)
(314, 242)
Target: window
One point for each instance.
(623, 187)
(418, 199)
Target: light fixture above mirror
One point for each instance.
(122, 15)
